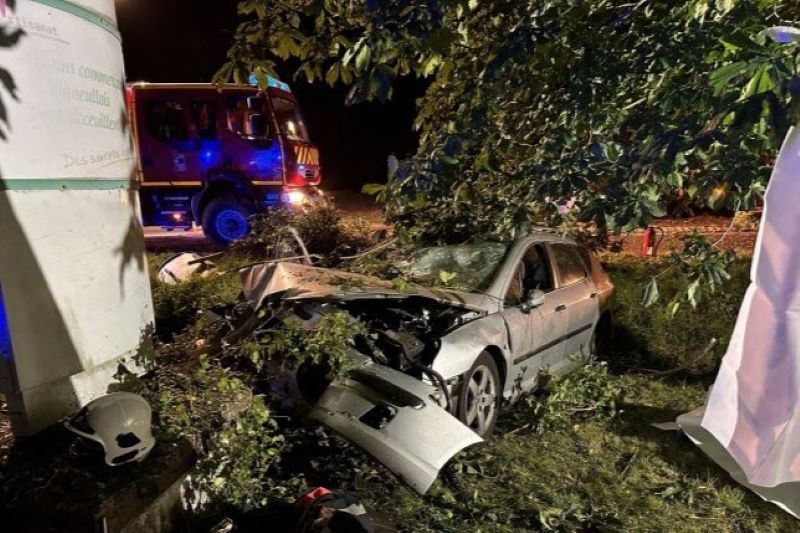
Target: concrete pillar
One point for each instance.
(73, 276)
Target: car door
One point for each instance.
(535, 335)
(577, 298)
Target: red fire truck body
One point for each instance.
(215, 155)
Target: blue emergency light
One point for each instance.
(5, 334)
(271, 82)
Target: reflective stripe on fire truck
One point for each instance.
(306, 155)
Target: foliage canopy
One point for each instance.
(620, 110)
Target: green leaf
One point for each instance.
(721, 78)
(429, 65)
(650, 293)
(346, 75)
(332, 75)
(308, 70)
(400, 284)
(373, 188)
(613, 151)
(672, 308)
(762, 81)
(362, 57)
(446, 277)
(698, 9)
(724, 5)
(692, 292)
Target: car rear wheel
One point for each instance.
(479, 400)
(225, 220)
(600, 341)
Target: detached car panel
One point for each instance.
(392, 417)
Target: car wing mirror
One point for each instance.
(534, 299)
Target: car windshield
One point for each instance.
(466, 267)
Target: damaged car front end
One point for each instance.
(392, 404)
(475, 325)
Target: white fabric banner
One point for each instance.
(753, 408)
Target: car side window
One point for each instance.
(537, 270)
(166, 121)
(569, 263)
(533, 272)
(515, 291)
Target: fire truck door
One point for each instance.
(204, 126)
(168, 149)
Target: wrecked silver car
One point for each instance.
(476, 324)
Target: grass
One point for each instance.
(596, 473)
(614, 475)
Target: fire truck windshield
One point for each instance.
(289, 119)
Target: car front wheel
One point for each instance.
(479, 399)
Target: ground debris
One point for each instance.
(6, 437)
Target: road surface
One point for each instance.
(351, 204)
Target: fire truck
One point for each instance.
(214, 155)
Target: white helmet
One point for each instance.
(120, 422)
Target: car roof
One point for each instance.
(544, 235)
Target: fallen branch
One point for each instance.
(629, 464)
(369, 251)
(662, 373)
(517, 430)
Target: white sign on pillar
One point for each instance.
(74, 291)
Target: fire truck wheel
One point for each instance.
(225, 220)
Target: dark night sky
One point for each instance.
(178, 41)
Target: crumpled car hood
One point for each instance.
(300, 282)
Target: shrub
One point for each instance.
(177, 306)
(235, 466)
(319, 224)
(238, 443)
(588, 393)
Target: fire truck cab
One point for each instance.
(214, 155)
